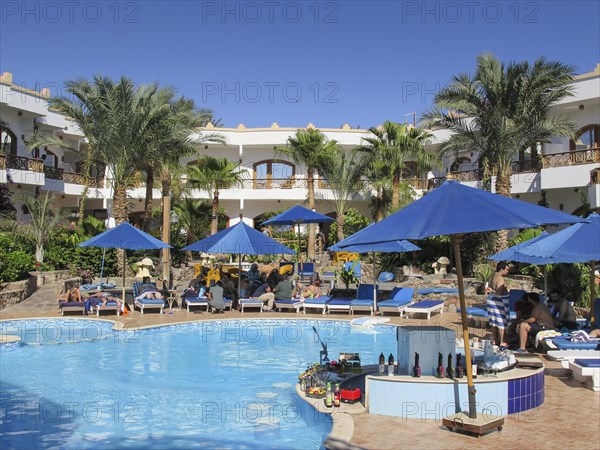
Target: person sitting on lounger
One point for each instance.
(274, 278)
(313, 290)
(149, 290)
(283, 290)
(264, 294)
(541, 319)
(216, 299)
(564, 314)
(72, 295)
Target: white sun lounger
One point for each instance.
(317, 303)
(566, 356)
(111, 306)
(426, 307)
(587, 367)
(250, 303)
(72, 307)
(149, 303)
(198, 301)
(289, 304)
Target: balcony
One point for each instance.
(572, 158)
(54, 173)
(21, 163)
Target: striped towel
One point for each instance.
(497, 307)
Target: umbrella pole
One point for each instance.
(300, 265)
(545, 281)
(456, 239)
(124, 264)
(593, 285)
(102, 267)
(374, 286)
(239, 277)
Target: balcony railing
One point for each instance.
(273, 183)
(464, 175)
(572, 158)
(21, 163)
(532, 165)
(53, 173)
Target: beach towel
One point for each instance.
(581, 336)
(497, 307)
(546, 334)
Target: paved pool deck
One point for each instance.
(569, 417)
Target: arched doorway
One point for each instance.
(585, 148)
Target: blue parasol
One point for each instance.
(125, 236)
(455, 209)
(240, 239)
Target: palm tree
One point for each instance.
(396, 145)
(212, 174)
(501, 110)
(45, 217)
(191, 214)
(175, 137)
(306, 149)
(380, 179)
(119, 120)
(344, 173)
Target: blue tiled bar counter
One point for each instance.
(432, 398)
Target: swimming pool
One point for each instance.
(227, 384)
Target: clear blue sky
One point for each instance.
(356, 62)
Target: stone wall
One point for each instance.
(14, 293)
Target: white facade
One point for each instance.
(565, 175)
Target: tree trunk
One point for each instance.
(214, 224)
(120, 203)
(86, 188)
(120, 213)
(310, 180)
(39, 253)
(503, 187)
(148, 202)
(379, 215)
(166, 225)
(396, 192)
(340, 226)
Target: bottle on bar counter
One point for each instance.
(337, 396)
(459, 368)
(381, 364)
(473, 368)
(329, 396)
(450, 369)
(391, 365)
(440, 368)
(417, 368)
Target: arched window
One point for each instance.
(8, 144)
(273, 173)
(588, 137)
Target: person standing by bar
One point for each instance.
(497, 302)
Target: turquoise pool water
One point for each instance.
(228, 384)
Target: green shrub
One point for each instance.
(14, 265)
